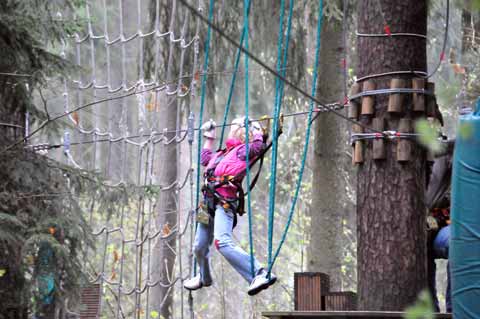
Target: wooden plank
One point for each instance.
(354, 105)
(395, 100)
(431, 100)
(379, 150)
(418, 99)
(368, 102)
(357, 157)
(90, 300)
(340, 301)
(342, 315)
(404, 146)
(309, 289)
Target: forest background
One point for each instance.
(147, 188)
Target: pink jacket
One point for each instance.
(234, 161)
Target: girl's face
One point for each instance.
(238, 132)
(234, 130)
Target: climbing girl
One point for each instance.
(223, 201)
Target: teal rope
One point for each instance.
(232, 82)
(202, 99)
(247, 141)
(307, 137)
(278, 88)
(202, 105)
(285, 53)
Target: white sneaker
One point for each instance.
(193, 283)
(261, 282)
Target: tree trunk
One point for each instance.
(165, 171)
(328, 186)
(390, 208)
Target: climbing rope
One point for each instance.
(281, 62)
(307, 139)
(202, 99)
(246, 4)
(202, 105)
(234, 77)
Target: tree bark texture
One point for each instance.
(329, 204)
(165, 168)
(390, 209)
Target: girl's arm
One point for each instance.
(207, 151)
(255, 147)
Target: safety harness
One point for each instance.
(211, 196)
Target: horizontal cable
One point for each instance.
(398, 34)
(270, 70)
(391, 91)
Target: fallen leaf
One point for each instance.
(166, 230)
(76, 118)
(116, 256)
(150, 106)
(458, 69)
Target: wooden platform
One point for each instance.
(341, 315)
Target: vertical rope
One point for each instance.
(202, 99)
(278, 97)
(202, 105)
(246, 4)
(150, 213)
(307, 137)
(234, 77)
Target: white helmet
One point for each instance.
(252, 126)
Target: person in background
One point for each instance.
(437, 200)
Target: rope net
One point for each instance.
(132, 48)
(138, 65)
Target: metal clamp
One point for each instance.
(390, 135)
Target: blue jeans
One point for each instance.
(440, 251)
(220, 231)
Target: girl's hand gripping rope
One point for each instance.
(209, 129)
(280, 125)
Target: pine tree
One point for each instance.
(390, 209)
(42, 231)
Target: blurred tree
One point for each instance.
(41, 225)
(329, 200)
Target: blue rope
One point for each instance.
(307, 137)
(202, 105)
(281, 63)
(247, 141)
(202, 99)
(285, 54)
(232, 82)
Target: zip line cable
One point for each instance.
(43, 146)
(272, 71)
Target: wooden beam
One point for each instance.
(342, 315)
